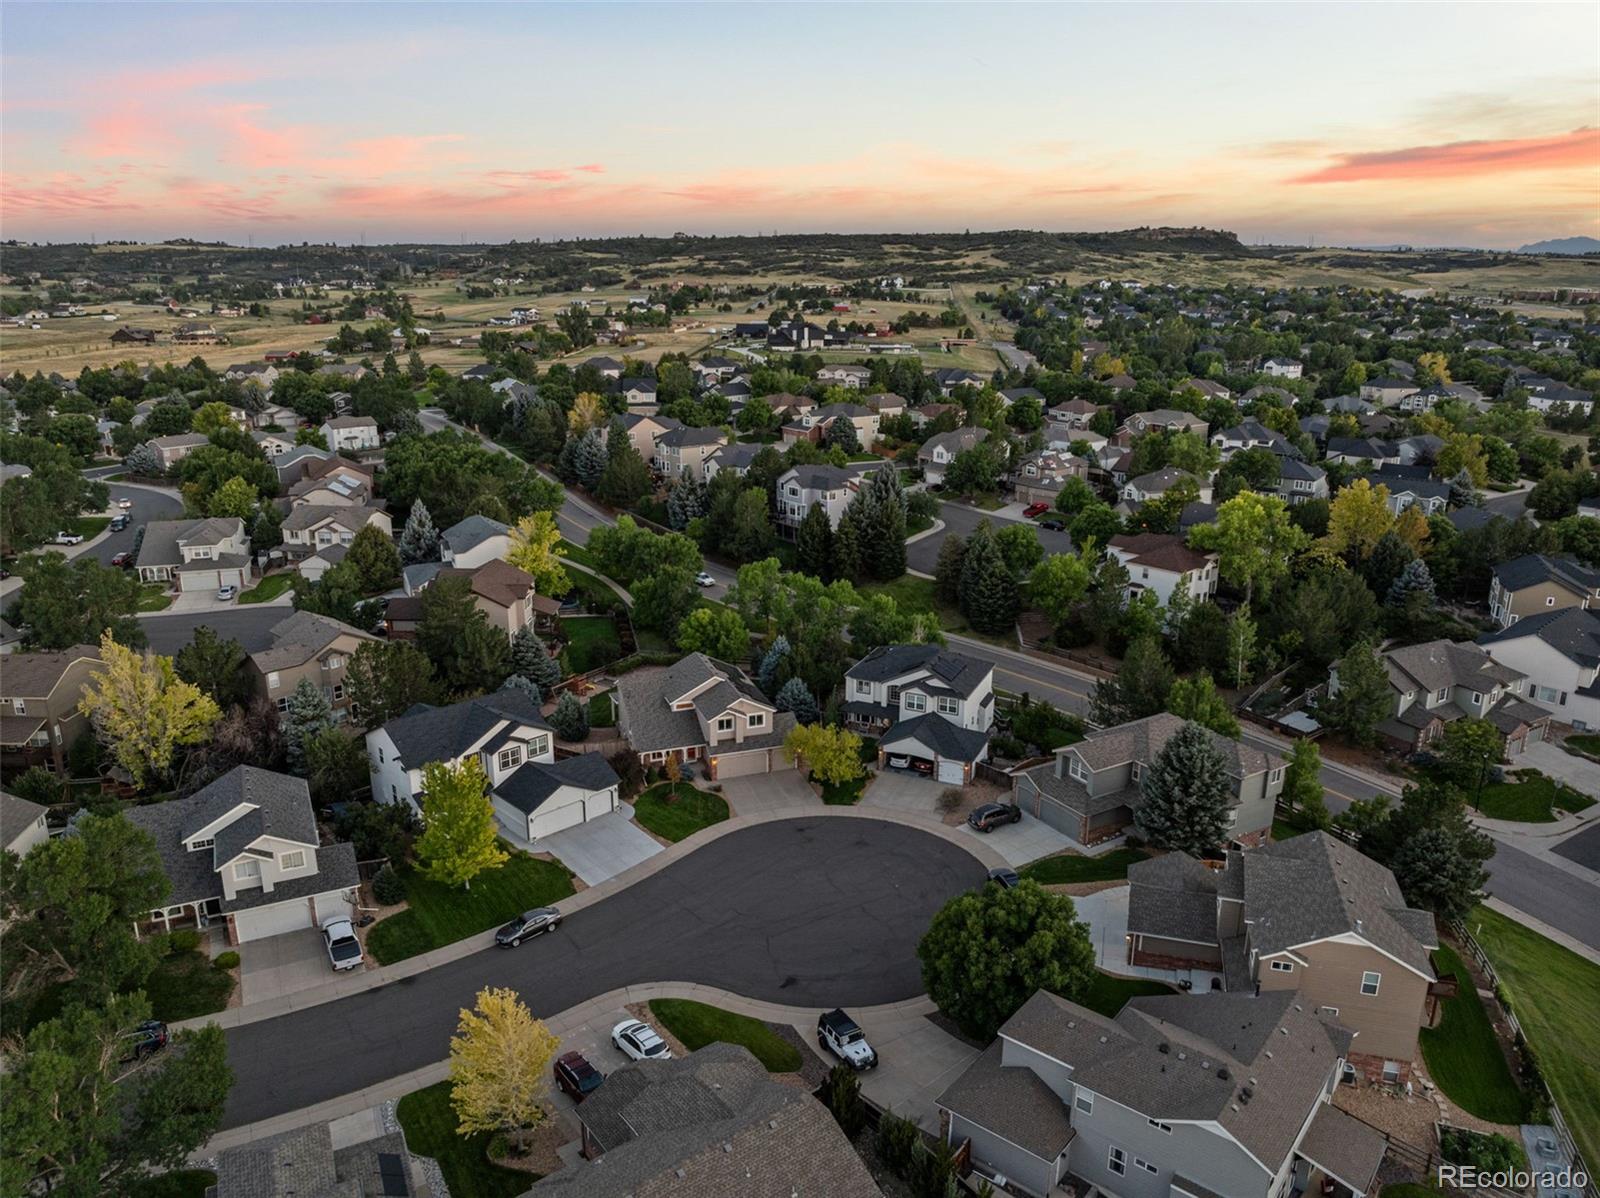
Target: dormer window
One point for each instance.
(1440, 695)
(757, 719)
(509, 758)
(293, 860)
(196, 845)
(725, 723)
(863, 687)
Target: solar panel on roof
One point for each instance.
(392, 1173)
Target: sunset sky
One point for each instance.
(1459, 124)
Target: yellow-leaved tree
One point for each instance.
(459, 837)
(1358, 518)
(143, 712)
(588, 411)
(498, 1059)
(831, 754)
(536, 548)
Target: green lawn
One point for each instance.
(685, 815)
(698, 1024)
(153, 597)
(269, 587)
(576, 553)
(592, 642)
(916, 594)
(429, 1122)
(842, 794)
(440, 915)
(186, 985)
(180, 1183)
(1530, 799)
(1583, 742)
(1555, 994)
(1463, 1056)
(1109, 993)
(89, 527)
(602, 710)
(1069, 867)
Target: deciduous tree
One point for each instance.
(143, 712)
(1358, 516)
(460, 836)
(1254, 540)
(1197, 699)
(499, 1062)
(536, 547)
(1302, 783)
(64, 603)
(833, 755)
(715, 631)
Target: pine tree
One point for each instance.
(1186, 795)
(1363, 698)
(686, 501)
(589, 459)
(989, 596)
(947, 571)
(847, 549)
(528, 687)
(1414, 585)
(570, 718)
(530, 657)
(980, 549)
(626, 479)
(884, 525)
(795, 696)
(813, 543)
(419, 541)
(307, 714)
(772, 662)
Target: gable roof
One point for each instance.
(466, 534)
(532, 782)
(35, 675)
(161, 537)
(1533, 568)
(933, 731)
(427, 733)
(951, 671)
(298, 638)
(1161, 551)
(1142, 740)
(1574, 632)
(16, 817)
(1436, 665)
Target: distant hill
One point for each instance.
(1563, 245)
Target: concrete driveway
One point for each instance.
(760, 794)
(1555, 762)
(1106, 913)
(1019, 843)
(282, 965)
(916, 1063)
(602, 848)
(1026, 840)
(900, 791)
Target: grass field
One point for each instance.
(602, 710)
(1530, 799)
(1463, 1056)
(267, 589)
(592, 642)
(440, 915)
(698, 1024)
(153, 597)
(1068, 867)
(429, 1122)
(1110, 993)
(683, 816)
(1555, 995)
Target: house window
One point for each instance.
(756, 719)
(19, 706)
(197, 845)
(1283, 966)
(380, 754)
(1369, 982)
(949, 706)
(294, 860)
(243, 870)
(1276, 775)
(1546, 693)
(338, 692)
(1138, 771)
(1145, 1165)
(1549, 600)
(510, 758)
(272, 681)
(915, 701)
(863, 687)
(538, 746)
(334, 662)
(1117, 1162)
(1477, 699)
(1441, 695)
(1391, 1073)
(282, 704)
(725, 723)
(394, 793)
(1084, 1102)
(1156, 1123)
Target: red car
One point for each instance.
(124, 560)
(1035, 509)
(576, 1076)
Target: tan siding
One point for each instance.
(1530, 601)
(1387, 1023)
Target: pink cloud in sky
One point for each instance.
(1564, 151)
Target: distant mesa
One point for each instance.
(1563, 245)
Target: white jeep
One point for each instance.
(840, 1035)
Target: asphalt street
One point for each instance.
(959, 520)
(147, 505)
(811, 912)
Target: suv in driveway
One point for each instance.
(843, 1037)
(576, 1076)
(344, 950)
(149, 1037)
(991, 815)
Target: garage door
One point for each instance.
(1535, 734)
(1058, 817)
(273, 920)
(565, 816)
(951, 771)
(741, 765)
(601, 804)
(198, 580)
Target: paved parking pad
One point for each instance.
(282, 965)
(1026, 840)
(761, 794)
(916, 1063)
(603, 847)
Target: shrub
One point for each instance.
(1489, 1153)
(227, 960)
(499, 1146)
(897, 1141)
(949, 799)
(387, 887)
(630, 774)
(843, 1097)
(37, 785)
(185, 940)
(1007, 746)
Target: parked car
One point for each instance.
(344, 950)
(704, 579)
(226, 593)
(1053, 525)
(124, 503)
(69, 538)
(1004, 877)
(149, 1037)
(842, 1036)
(639, 1041)
(991, 815)
(576, 1076)
(123, 560)
(1035, 509)
(529, 923)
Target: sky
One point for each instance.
(1354, 124)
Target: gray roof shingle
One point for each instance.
(428, 733)
(531, 783)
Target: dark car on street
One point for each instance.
(1004, 877)
(529, 923)
(576, 1077)
(991, 815)
(149, 1037)
(1053, 525)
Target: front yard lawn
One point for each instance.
(440, 915)
(1463, 1055)
(429, 1122)
(1069, 867)
(89, 527)
(1530, 799)
(592, 642)
(267, 589)
(1110, 993)
(153, 597)
(180, 1183)
(698, 1024)
(841, 794)
(1583, 742)
(682, 816)
(1555, 994)
(187, 985)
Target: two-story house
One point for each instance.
(801, 488)
(1180, 1096)
(173, 449)
(1091, 790)
(683, 451)
(292, 466)
(1073, 413)
(1309, 914)
(735, 458)
(332, 482)
(1152, 486)
(1039, 476)
(1433, 684)
(1162, 563)
(1386, 390)
(1299, 481)
(845, 375)
(639, 392)
(1167, 419)
(699, 709)
(24, 825)
(502, 592)
(1251, 434)
(863, 418)
(930, 707)
(714, 369)
(533, 793)
(311, 528)
(606, 368)
(644, 432)
(306, 646)
(1427, 495)
(39, 717)
(951, 379)
(939, 450)
(273, 445)
(199, 555)
(351, 433)
(1282, 368)
(469, 543)
(1559, 651)
(1533, 584)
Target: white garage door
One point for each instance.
(601, 804)
(198, 580)
(741, 765)
(273, 920)
(951, 771)
(567, 815)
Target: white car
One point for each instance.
(226, 593)
(69, 538)
(704, 579)
(640, 1042)
(124, 503)
(344, 950)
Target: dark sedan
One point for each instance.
(576, 1077)
(529, 923)
(1004, 878)
(991, 815)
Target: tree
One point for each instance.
(1096, 523)
(235, 497)
(627, 551)
(881, 507)
(1186, 794)
(1058, 584)
(1357, 518)
(385, 679)
(1468, 748)
(1254, 541)
(1463, 451)
(664, 600)
(1139, 689)
(1302, 783)
(1074, 496)
(1413, 586)
(570, 718)
(373, 560)
(308, 713)
(832, 755)
(498, 1062)
(1197, 699)
(216, 666)
(794, 696)
(686, 501)
(947, 570)
(64, 603)
(989, 950)
(589, 460)
(715, 631)
(469, 654)
(419, 540)
(74, 1108)
(1436, 853)
(336, 764)
(626, 478)
(989, 597)
(1019, 545)
(143, 712)
(1363, 699)
(1254, 469)
(880, 621)
(459, 835)
(813, 543)
(530, 657)
(536, 548)
(772, 661)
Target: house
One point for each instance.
(939, 450)
(1074, 413)
(309, 528)
(1559, 651)
(292, 464)
(644, 432)
(197, 334)
(1362, 451)
(351, 433)
(350, 372)
(700, 709)
(606, 368)
(1535, 583)
(1309, 914)
(274, 445)
(131, 336)
(1167, 419)
(1163, 563)
(39, 717)
(853, 377)
(1252, 434)
(860, 416)
(23, 825)
(303, 1163)
(951, 379)
(1545, 394)
(1386, 390)
(1427, 495)
(1435, 683)
(1282, 368)
(172, 450)
(471, 542)
(1299, 481)
(1091, 790)
(534, 795)
(683, 451)
(504, 594)
(199, 555)
(886, 404)
(925, 703)
(259, 374)
(1039, 476)
(306, 646)
(1194, 1096)
(1213, 390)
(711, 1123)
(639, 392)
(710, 371)
(1153, 485)
(246, 849)
(802, 335)
(315, 565)
(736, 457)
(332, 482)
(930, 413)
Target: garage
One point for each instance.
(600, 804)
(742, 765)
(953, 772)
(946, 751)
(274, 919)
(549, 819)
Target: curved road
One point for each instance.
(809, 912)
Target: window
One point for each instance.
(1369, 983)
(337, 694)
(1545, 693)
(1117, 1162)
(19, 706)
(1138, 771)
(1145, 1165)
(1549, 600)
(272, 681)
(1391, 1073)
(1329, 1011)
(1283, 966)
(915, 701)
(863, 687)
(294, 860)
(725, 723)
(538, 746)
(1084, 1101)
(757, 719)
(243, 870)
(394, 792)
(1477, 699)
(1276, 776)
(1442, 694)
(282, 704)
(1075, 768)
(334, 662)
(510, 758)
(196, 846)
(1156, 1123)
(949, 706)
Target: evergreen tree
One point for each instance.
(530, 657)
(1302, 783)
(770, 673)
(988, 594)
(842, 434)
(469, 654)
(1363, 699)
(795, 696)
(813, 543)
(419, 541)
(308, 713)
(589, 459)
(626, 479)
(686, 502)
(570, 718)
(847, 548)
(747, 535)
(1389, 558)
(1186, 794)
(528, 687)
(1140, 687)
(1414, 585)
(883, 545)
(947, 571)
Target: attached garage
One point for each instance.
(742, 765)
(952, 751)
(565, 809)
(541, 798)
(292, 915)
(208, 576)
